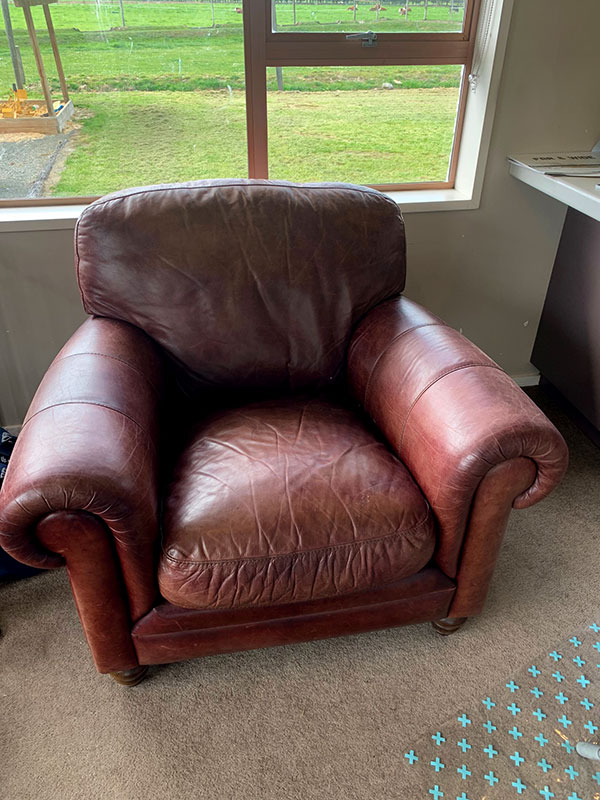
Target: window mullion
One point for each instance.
(255, 21)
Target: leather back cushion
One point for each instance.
(245, 283)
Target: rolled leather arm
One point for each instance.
(449, 412)
(89, 443)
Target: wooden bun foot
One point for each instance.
(130, 677)
(448, 625)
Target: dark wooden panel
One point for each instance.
(567, 346)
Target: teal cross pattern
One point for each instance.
(464, 745)
(534, 670)
(544, 765)
(559, 676)
(514, 709)
(596, 777)
(537, 692)
(464, 720)
(546, 793)
(464, 772)
(488, 703)
(489, 727)
(512, 686)
(561, 697)
(462, 796)
(515, 733)
(587, 704)
(579, 661)
(541, 739)
(491, 778)
(583, 681)
(539, 714)
(571, 772)
(438, 738)
(436, 792)
(564, 721)
(589, 726)
(595, 628)
(596, 646)
(574, 796)
(490, 751)
(517, 758)
(568, 746)
(575, 641)
(519, 785)
(437, 764)
(411, 756)
(556, 656)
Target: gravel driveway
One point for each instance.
(26, 162)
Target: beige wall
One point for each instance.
(39, 309)
(484, 271)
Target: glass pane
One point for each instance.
(362, 124)
(159, 98)
(396, 16)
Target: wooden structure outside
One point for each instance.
(55, 120)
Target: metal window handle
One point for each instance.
(368, 39)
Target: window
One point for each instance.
(170, 91)
(388, 90)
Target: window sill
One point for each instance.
(39, 218)
(46, 218)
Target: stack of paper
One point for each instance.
(581, 164)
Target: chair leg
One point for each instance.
(448, 625)
(130, 677)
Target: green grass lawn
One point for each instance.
(162, 99)
(136, 138)
(170, 46)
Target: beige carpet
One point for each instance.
(322, 720)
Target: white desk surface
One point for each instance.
(578, 193)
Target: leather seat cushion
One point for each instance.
(288, 501)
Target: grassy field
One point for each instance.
(162, 99)
(203, 135)
(170, 46)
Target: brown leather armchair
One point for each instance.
(255, 439)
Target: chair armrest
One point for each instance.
(449, 413)
(89, 443)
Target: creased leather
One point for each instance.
(256, 287)
(171, 633)
(449, 413)
(89, 443)
(248, 285)
(287, 501)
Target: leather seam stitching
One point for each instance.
(390, 343)
(167, 188)
(434, 381)
(107, 355)
(330, 548)
(89, 403)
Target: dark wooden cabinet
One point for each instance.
(567, 346)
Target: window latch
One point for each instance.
(368, 38)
